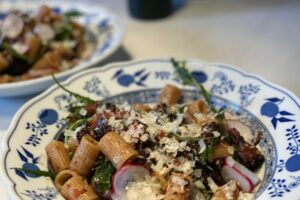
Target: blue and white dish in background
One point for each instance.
(264, 106)
(105, 31)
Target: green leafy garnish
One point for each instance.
(63, 31)
(101, 179)
(206, 155)
(76, 124)
(73, 126)
(187, 78)
(14, 53)
(72, 13)
(181, 138)
(83, 99)
(38, 173)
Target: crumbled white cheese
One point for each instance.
(230, 150)
(212, 185)
(179, 181)
(144, 138)
(186, 167)
(101, 109)
(147, 189)
(216, 133)
(197, 173)
(83, 112)
(69, 133)
(202, 145)
(20, 47)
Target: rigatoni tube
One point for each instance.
(76, 188)
(170, 95)
(85, 155)
(57, 156)
(116, 149)
(62, 177)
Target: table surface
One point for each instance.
(261, 37)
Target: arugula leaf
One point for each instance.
(188, 79)
(14, 53)
(181, 138)
(76, 124)
(63, 31)
(72, 13)
(206, 155)
(39, 172)
(83, 99)
(101, 179)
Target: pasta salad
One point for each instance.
(40, 43)
(164, 151)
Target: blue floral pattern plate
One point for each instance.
(263, 105)
(104, 30)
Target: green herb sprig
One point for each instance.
(63, 30)
(14, 53)
(39, 173)
(72, 14)
(101, 179)
(187, 78)
(206, 155)
(83, 99)
(182, 138)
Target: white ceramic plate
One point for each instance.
(104, 27)
(265, 106)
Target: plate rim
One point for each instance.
(119, 36)
(8, 134)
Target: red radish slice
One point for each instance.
(233, 170)
(244, 130)
(129, 172)
(12, 26)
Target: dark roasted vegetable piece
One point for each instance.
(246, 153)
(102, 174)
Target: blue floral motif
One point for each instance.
(29, 163)
(105, 28)
(225, 84)
(104, 25)
(163, 75)
(47, 193)
(48, 116)
(125, 80)
(63, 101)
(295, 183)
(271, 109)
(199, 76)
(38, 129)
(56, 9)
(246, 94)
(88, 18)
(95, 86)
(293, 163)
(278, 187)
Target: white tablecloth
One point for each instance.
(261, 37)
